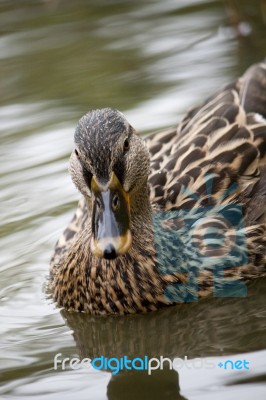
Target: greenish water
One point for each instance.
(152, 60)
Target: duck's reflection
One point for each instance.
(209, 328)
(161, 384)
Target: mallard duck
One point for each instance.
(170, 218)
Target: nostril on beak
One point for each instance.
(109, 252)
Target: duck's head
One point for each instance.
(110, 166)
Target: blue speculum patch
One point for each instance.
(208, 238)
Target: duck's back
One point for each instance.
(223, 140)
(208, 183)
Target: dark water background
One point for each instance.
(152, 60)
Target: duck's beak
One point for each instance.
(111, 236)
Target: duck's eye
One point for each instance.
(77, 153)
(115, 202)
(126, 144)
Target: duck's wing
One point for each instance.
(209, 185)
(250, 89)
(218, 144)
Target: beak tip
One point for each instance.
(109, 252)
(111, 248)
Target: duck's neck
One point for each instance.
(124, 285)
(140, 211)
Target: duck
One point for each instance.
(170, 218)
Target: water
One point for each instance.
(152, 60)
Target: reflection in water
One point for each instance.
(212, 326)
(137, 385)
(209, 328)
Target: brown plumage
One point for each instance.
(172, 218)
